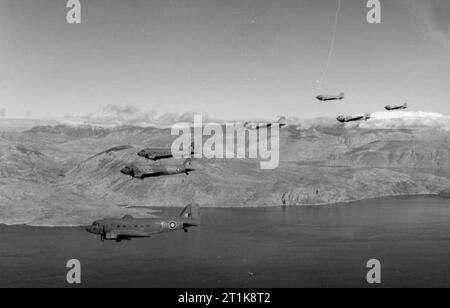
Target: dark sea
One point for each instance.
(320, 246)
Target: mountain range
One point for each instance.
(70, 175)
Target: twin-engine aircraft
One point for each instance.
(353, 118)
(254, 126)
(145, 171)
(326, 98)
(396, 107)
(128, 227)
(162, 153)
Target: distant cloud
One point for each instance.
(436, 16)
(115, 116)
(28, 113)
(118, 115)
(2, 112)
(305, 124)
(119, 110)
(405, 119)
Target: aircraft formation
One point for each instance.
(142, 171)
(358, 117)
(129, 227)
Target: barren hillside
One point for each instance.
(67, 175)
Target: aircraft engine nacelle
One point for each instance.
(110, 236)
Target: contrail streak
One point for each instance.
(333, 40)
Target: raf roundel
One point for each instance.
(172, 225)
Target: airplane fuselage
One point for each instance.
(149, 171)
(254, 126)
(346, 119)
(159, 153)
(389, 108)
(143, 171)
(326, 98)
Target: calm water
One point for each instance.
(325, 246)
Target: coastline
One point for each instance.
(332, 204)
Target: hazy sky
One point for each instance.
(225, 58)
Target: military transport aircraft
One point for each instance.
(352, 118)
(144, 171)
(162, 153)
(396, 107)
(325, 98)
(251, 125)
(128, 227)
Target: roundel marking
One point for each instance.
(172, 224)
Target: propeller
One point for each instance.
(103, 234)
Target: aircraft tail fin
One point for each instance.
(191, 211)
(282, 120)
(342, 95)
(405, 105)
(367, 116)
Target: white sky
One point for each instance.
(225, 58)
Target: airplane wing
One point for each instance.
(262, 126)
(156, 174)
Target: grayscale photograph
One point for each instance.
(224, 145)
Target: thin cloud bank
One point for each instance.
(305, 124)
(407, 119)
(435, 15)
(116, 116)
(130, 115)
